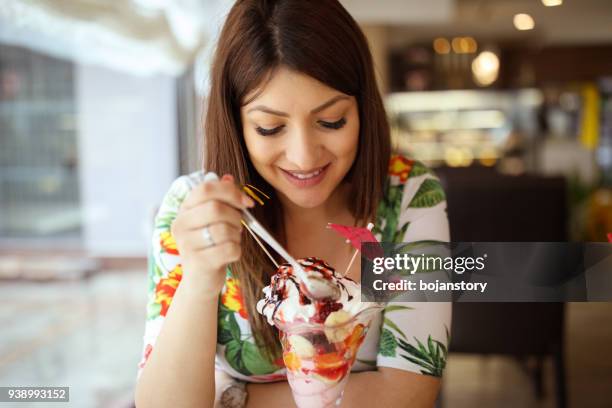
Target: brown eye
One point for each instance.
(333, 125)
(268, 132)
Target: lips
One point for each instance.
(308, 178)
(306, 175)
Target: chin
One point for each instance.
(306, 202)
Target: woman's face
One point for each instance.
(302, 136)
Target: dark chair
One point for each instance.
(486, 206)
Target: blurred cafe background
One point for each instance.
(510, 101)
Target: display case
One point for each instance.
(460, 128)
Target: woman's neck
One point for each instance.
(305, 220)
(306, 231)
(334, 206)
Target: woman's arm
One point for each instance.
(180, 371)
(387, 387)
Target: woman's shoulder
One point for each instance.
(175, 195)
(412, 191)
(403, 169)
(412, 182)
(180, 188)
(164, 248)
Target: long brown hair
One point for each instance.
(320, 39)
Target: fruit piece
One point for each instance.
(329, 361)
(292, 361)
(337, 317)
(301, 346)
(355, 339)
(338, 332)
(331, 375)
(355, 335)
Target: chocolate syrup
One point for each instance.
(284, 274)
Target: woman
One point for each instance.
(293, 110)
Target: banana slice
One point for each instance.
(337, 317)
(337, 334)
(301, 346)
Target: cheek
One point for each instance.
(261, 151)
(345, 146)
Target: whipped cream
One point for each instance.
(285, 301)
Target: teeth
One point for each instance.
(307, 176)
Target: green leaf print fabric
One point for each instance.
(411, 337)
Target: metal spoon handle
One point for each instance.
(316, 288)
(265, 235)
(325, 289)
(269, 239)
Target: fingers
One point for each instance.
(220, 233)
(210, 212)
(217, 256)
(217, 205)
(223, 190)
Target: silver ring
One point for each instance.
(208, 239)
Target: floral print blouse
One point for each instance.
(405, 336)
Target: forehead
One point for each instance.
(288, 89)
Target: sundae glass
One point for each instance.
(320, 338)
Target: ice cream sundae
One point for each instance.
(320, 338)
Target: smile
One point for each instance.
(306, 179)
(304, 176)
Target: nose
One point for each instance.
(303, 149)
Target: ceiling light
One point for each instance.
(552, 3)
(464, 45)
(470, 45)
(457, 45)
(523, 22)
(485, 68)
(441, 46)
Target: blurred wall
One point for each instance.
(127, 156)
(378, 40)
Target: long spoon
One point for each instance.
(316, 288)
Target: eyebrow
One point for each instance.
(318, 109)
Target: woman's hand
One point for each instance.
(214, 205)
